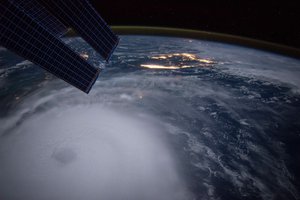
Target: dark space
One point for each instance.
(275, 21)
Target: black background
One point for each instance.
(276, 21)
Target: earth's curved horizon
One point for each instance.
(207, 35)
(168, 119)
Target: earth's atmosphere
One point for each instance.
(168, 118)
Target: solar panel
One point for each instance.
(42, 16)
(80, 15)
(22, 34)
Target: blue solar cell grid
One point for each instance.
(80, 15)
(26, 37)
(42, 16)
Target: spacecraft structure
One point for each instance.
(33, 30)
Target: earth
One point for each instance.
(169, 118)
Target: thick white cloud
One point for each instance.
(87, 152)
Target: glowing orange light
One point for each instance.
(188, 56)
(159, 57)
(164, 67)
(184, 56)
(85, 56)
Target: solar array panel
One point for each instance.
(80, 15)
(26, 37)
(42, 16)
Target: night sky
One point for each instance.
(277, 21)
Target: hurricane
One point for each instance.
(168, 118)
